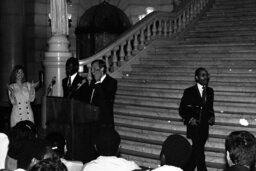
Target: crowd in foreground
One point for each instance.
(21, 149)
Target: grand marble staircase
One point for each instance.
(148, 96)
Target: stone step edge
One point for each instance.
(172, 119)
(164, 130)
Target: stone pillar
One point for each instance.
(12, 41)
(57, 54)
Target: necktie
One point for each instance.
(204, 94)
(69, 82)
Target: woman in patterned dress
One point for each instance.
(21, 93)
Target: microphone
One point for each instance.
(52, 83)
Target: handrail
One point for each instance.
(155, 25)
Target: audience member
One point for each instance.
(4, 142)
(48, 164)
(58, 145)
(107, 145)
(240, 151)
(24, 145)
(175, 153)
(21, 93)
(196, 110)
(103, 94)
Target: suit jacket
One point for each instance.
(193, 106)
(76, 91)
(104, 96)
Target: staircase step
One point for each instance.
(188, 70)
(174, 103)
(173, 93)
(250, 78)
(218, 86)
(171, 115)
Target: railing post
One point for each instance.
(154, 29)
(121, 54)
(142, 38)
(107, 60)
(165, 28)
(170, 28)
(160, 28)
(128, 49)
(148, 33)
(135, 44)
(115, 58)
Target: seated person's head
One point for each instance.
(57, 142)
(48, 165)
(176, 151)
(107, 142)
(4, 142)
(240, 148)
(23, 130)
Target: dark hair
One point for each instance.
(75, 63)
(198, 70)
(14, 71)
(176, 150)
(241, 146)
(57, 142)
(48, 164)
(107, 142)
(23, 130)
(102, 64)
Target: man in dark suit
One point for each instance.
(240, 151)
(196, 109)
(75, 86)
(103, 94)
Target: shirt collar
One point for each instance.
(101, 79)
(72, 77)
(200, 88)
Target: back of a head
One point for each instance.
(107, 142)
(57, 142)
(176, 150)
(48, 165)
(23, 130)
(4, 142)
(241, 146)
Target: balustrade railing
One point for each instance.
(153, 26)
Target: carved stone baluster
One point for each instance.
(191, 11)
(115, 61)
(180, 23)
(160, 28)
(121, 54)
(165, 27)
(142, 38)
(170, 28)
(195, 8)
(135, 44)
(175, 26)
(89, 75)
(184, 21)
(148, 33)
(107, 56)
(128, 49)
(188, 15)
(154, 30)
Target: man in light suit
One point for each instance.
(196, 109)
(75, 86)
(103, 94)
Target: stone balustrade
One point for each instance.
(153, 26)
